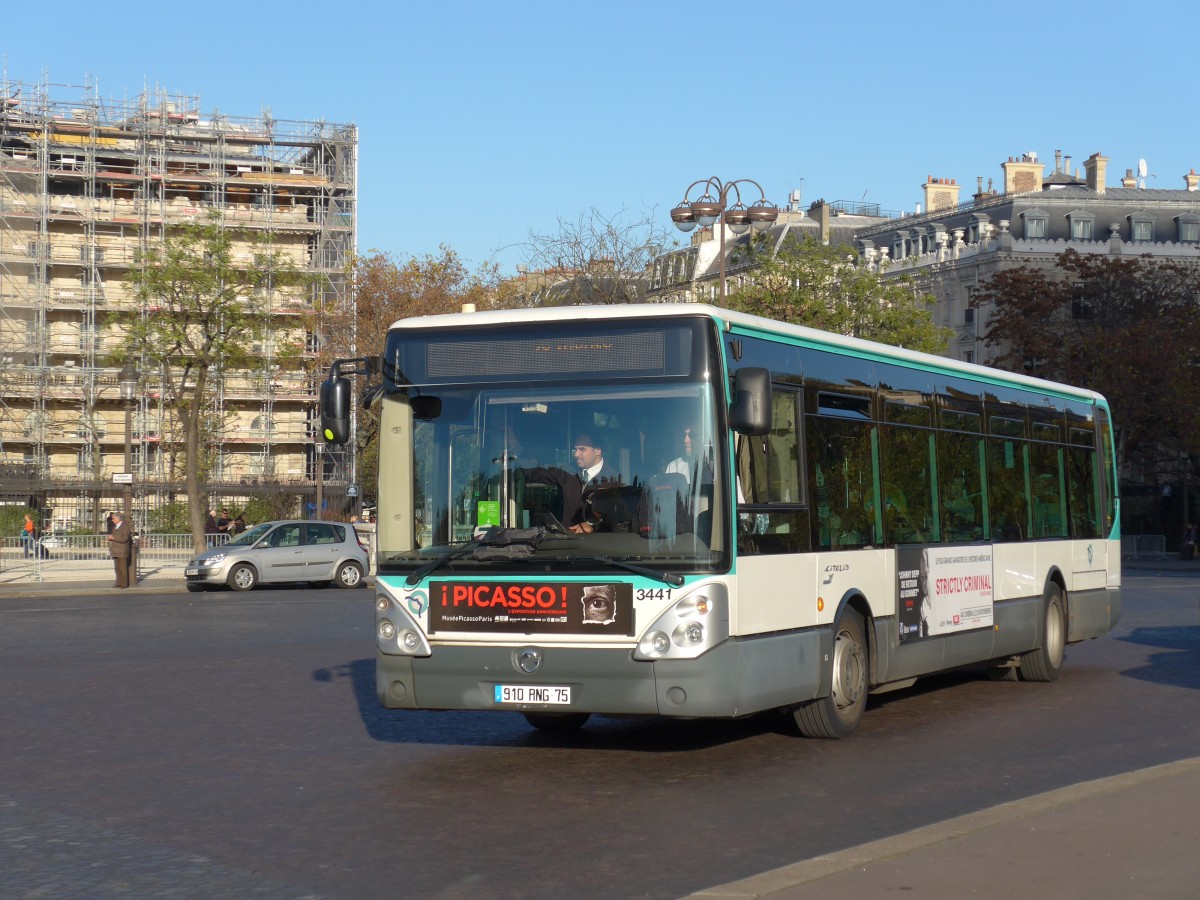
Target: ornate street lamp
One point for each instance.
(708, 210)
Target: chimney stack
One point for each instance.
(1129, 181)
(1095, 167)
(1022, 175)
(1192, 180)
(940, 193)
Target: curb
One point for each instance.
(778, 882)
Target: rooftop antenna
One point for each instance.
(1142, 173)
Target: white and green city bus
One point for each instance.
(842, 518)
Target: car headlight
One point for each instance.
(212, 560)
(691, 626)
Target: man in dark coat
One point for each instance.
(120, 546)
(579, 487)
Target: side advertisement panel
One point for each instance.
(943, 590)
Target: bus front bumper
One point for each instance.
(738, 677)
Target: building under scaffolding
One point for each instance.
(86, 186)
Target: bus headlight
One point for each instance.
(691, 626)
(397, 633)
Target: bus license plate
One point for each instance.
(538, 693)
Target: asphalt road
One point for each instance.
(224, 745)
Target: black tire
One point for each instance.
(559, 723)
(837, 715)
(1044, 663)
(243, 578)
(348, 575)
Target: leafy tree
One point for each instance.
(597, 259)
(1124, 327)
(387, 289)
(170, 518)
(204, 293)
(276, 504)
(808, 283)
(12, 519)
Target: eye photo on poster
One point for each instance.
(943, 590)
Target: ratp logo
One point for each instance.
(417, 602)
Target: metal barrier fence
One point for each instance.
(85, 555)
(1143, 546)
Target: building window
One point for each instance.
(1083, 307)
(1083, 225)
(968, 356)
(969, 315)
(1141, 228)
(1035, 226)
(1189, 229)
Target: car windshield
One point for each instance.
(252, 536)
(598, 473)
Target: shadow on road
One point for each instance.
(642, 734)
(1178, 665)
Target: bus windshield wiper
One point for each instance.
(516, 543)
(657, 574)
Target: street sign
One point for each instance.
(122, 478)
(352, 491)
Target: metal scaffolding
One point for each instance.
(86, 186)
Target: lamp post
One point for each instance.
(716, 210)
(127, 380)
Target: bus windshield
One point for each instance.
(607, 472)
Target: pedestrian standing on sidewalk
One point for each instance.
(120, 545)
(28, 535)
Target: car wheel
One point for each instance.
(349, 575)
(243, 578)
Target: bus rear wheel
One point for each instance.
(837, 715)
(1044, 663)
(557, 722)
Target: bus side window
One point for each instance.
(907, 484)
(770, 483)
(842, 482)
(960, 488)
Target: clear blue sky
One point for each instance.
(480, 121)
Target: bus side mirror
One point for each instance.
(335, 409)
(750, 412)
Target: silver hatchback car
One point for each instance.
(280, 552)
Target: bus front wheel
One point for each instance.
(1044, 663)
(837, 715)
